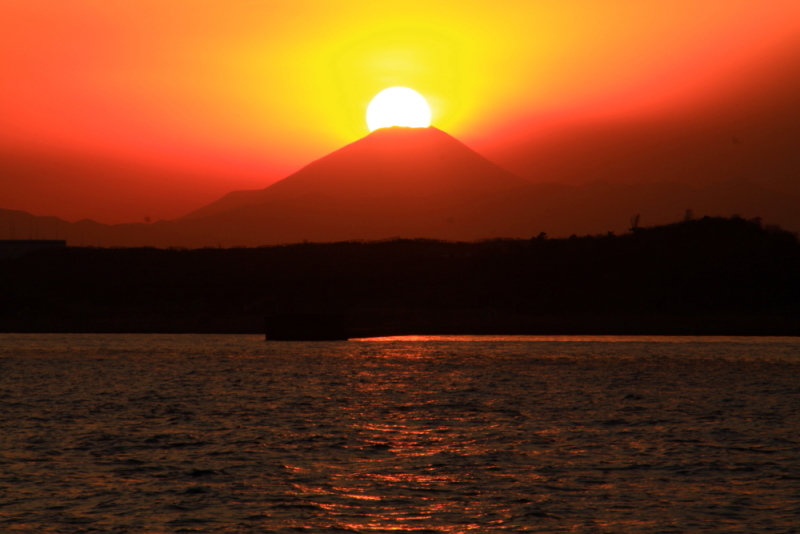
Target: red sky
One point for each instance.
(117, 110)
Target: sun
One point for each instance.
(398, 106)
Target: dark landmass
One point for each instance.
(698, 277)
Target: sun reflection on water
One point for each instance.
(413, 441)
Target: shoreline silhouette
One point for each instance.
(707, 276)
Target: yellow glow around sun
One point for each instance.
(398, 106)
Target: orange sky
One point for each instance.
(241, 93)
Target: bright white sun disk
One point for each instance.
(398, 106)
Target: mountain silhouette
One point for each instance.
(395, 164)
(415, 182)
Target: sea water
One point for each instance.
(230, 433)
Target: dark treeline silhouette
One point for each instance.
(699, 276)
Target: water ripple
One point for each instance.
(153, 434)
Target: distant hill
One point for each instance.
(416, 183)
